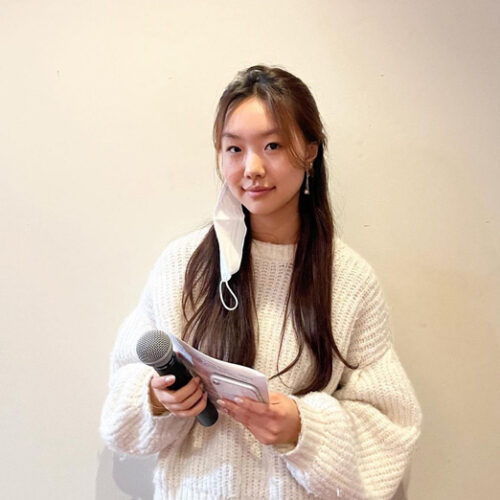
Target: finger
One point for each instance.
(180, 395)
(159, 382)
(252, 406)
(188, 403)
(196, 409)
(238, 413)
(256, 426)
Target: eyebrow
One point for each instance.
(263, 134)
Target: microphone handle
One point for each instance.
(175, 367)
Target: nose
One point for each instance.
(254, 166)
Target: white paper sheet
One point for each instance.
(222, 379)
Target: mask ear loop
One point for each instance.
(231, 292)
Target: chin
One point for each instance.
(254, 209)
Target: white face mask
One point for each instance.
(230, 228)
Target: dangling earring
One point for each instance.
(306, 187)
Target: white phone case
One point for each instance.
(229, 388)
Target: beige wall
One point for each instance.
(105, 156)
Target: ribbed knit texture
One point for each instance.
(357, 434)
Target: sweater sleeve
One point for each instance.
(127, 423)
(357, 442)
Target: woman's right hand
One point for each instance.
(188, 401)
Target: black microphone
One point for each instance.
(155, 349)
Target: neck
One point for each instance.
(278, 230)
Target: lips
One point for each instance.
(257, 189)
(258, 192)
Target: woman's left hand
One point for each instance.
(276, 422)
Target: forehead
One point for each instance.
(249, 117)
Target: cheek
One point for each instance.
(294, 179)
(231, 174)
(234, 186)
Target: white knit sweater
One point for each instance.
(357, 434)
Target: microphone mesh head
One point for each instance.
(154, 347)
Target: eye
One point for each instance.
(230, 148)
(273, 146)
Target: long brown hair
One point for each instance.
(230, 335)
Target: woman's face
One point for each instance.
(257, 166)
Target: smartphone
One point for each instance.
(229, 388)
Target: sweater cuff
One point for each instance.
(311, 437)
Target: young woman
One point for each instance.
(269, 285)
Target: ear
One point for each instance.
(311, 152)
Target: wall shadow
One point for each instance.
(124, 478)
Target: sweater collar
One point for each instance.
(273, 251)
